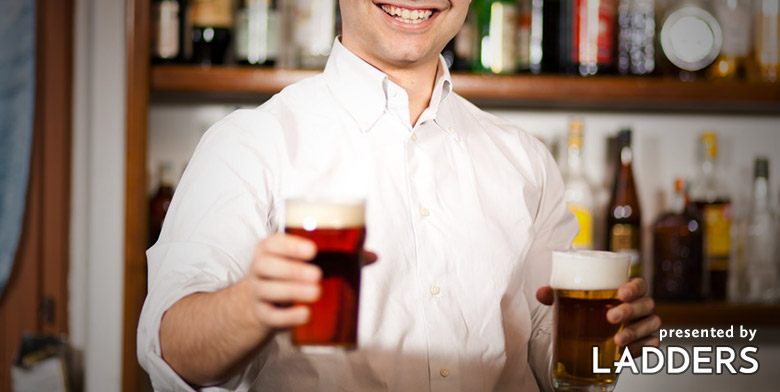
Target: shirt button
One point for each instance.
(444, 372)
(414, 137)
(435, 290)
(393, 93)
(424, 211)
(452, 130)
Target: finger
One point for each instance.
(635, 288)
(638, 331)
(545, 295)
(633, 310)
(280, 318)
(286, 292)
(369, 258)
(287, 245)
(636, 347)
(278, 268)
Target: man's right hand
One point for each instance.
(280, 281)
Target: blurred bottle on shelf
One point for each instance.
(212, 30)
(593, 36)
(690, 37)
(166, 35)
(678, 256)
(734, 18)
(556, 35)
(497, 32)
(160, 201)
(257, 32)
(767, 40)
(308, 29)
(624, 222)
(760, 274)
(636, 37)
(710, 199)
(578, 192)
(529, 36)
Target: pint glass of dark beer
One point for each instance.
(338, 230)
(585, 284)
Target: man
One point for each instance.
(463, 211)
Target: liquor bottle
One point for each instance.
(158, 204)
(529, 36)
(212, 25)
(734, 18)
(497, 28)
(761, 268)
(556, 35)
(624, 221)
(767, 40)
(678, 256)
(314, 29)
(465, 45)
(165, 31)
(578, 191)
(711, 201)
(257, 32)
(593, 36)
(636, 37)
(691, 38)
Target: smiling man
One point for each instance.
(463, 210)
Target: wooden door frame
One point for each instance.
(137, 113)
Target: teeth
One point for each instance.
(406, 15)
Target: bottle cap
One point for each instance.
(679, 185)
(761, 168)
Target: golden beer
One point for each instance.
(585, 284)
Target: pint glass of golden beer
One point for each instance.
(585, 284)
(338, 230)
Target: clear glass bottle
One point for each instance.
(636, 37)
(761, 269)
(257, 32)
(734, 18)
(678, 256)
(578, 191)
(624, 215)
(165, 31)
(710, 199)
(767, 40)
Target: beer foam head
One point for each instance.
(316, 214)
(589, 270)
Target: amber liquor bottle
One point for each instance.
(678, 256)
(624, 216)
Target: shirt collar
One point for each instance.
(362, 89)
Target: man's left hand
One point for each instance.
(636, 312)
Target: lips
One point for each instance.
(407, 15)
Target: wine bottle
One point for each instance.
(711, 201)
(212, 25)
(593, 36)
(678, 256)
(578, 191)
(497, 27)
(734, 18)
(624, 222)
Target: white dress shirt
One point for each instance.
(463, 210)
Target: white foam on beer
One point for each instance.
(310, 215)
(589, 270)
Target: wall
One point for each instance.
(98, 177)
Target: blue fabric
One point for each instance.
(17, 104)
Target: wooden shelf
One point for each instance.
(196, 83)
(714, 314)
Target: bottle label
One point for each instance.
(717, 221)
(501, 37)
(212, 13)
(584, 239)
(624, 238)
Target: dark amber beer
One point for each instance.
(585, 284)
(338, 230)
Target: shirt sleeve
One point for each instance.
(223, 205)
(555, 228)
